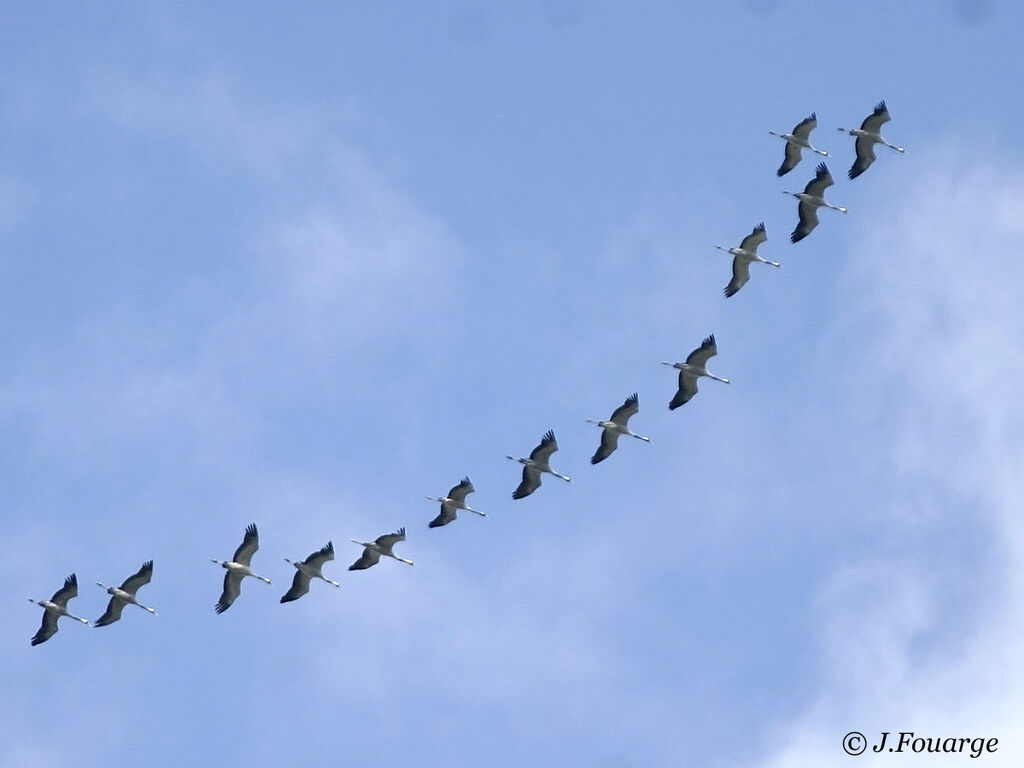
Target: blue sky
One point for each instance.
(306, 268)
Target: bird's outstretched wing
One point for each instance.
(822, 180)
(323, 555)
(865, 156)
(790, 160)
(138, 579)
(232, 589)
(369, 558)
(757, 236)
(624, 412)
(48, 628)
(445, 516)
(65, 593)
(548, 445)
(808, 221)
(529, 484)
(687, 389)
(249, 545)
(707, 349)
(740, 276)
(300, 586)
(112, 614)
(803, 129)
(388, 540)
(878, 118)
(609, 442)
(461, 491)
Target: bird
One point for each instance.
(617, 425)
(746, 253)
(56, 607)
(536, 464)
(455, 500)
(307, 570)
(869, 134)
(238, 568)
(382, 545)
(694, 367)
(121, 596)
(799, 138)
(812, 198)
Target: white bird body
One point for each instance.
(797, 140)
(125, 594)
(307, 570)
(238, 568)
(536, 464)
(56, 607)
(743, 257)
(617, 425)
(693, 369)
(812, 198)
(455, 500)
(382, 545)
(869, 134)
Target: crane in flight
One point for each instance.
(125, 594)
(382, 545)
(797, 140)
(617, 425)
(694, 368)
(537, 463)
(307, 570)
(811, 199)
(869, 134)
(454, 501)
(56, 607)
(238, 568)
(742, 258)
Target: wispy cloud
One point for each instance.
(940, 342)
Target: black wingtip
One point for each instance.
(880, 107)
(595, 459)
(729, 291)
(250, 530)
(822, 168)
(782, 171)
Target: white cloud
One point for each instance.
(940, 343)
